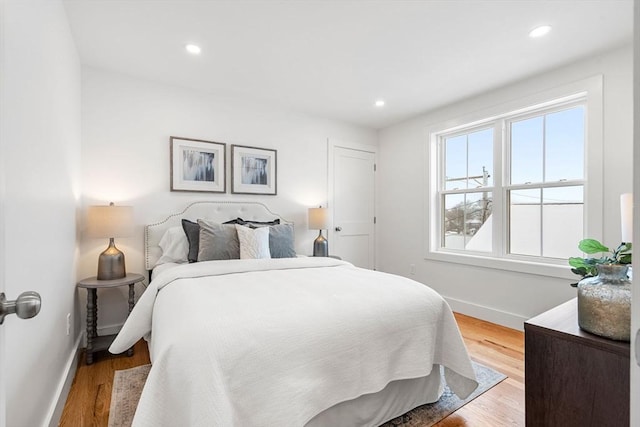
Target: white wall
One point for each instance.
(501, 296)
(41, 132)
(127, 123)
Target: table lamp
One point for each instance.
(319, 220)
(111, 222)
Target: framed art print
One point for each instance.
(253, 170)
(198, 165)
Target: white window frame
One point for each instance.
(589, 93)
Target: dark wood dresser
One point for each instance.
(573, 378)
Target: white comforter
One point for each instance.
(258, 342)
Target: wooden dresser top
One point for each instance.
(562, 321)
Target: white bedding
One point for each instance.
(162, 267)
(258, 342)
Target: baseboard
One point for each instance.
(488, 314)
(57, 406)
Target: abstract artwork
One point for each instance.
(197, 165)
(253, 170)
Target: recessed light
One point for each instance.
(540, 31)
(193, 49)
(379, 103)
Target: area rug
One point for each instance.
(125, 394)
(432, 413)
(128, 383)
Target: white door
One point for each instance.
(352, 203)
(635, 286)
(3, 375)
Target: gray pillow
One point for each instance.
(192, 230)
(281, 241)
(218, 241)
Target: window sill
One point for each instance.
(516, 265)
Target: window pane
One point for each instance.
(455, 171)
(467, 221)
(564, 145)
(562, 221)
(481, 158)
(526, 150)
(478, 222)
(524, 222)
(453, 221)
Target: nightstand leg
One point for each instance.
(132, 294)
(91, 323)
(95, 313)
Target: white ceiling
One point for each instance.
(335, 58)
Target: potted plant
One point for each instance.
(604, 293)
(587, 267)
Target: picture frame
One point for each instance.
(254, 170)
(198, 165)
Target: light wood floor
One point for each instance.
(90, 395)
(492, 345)
(503, 350)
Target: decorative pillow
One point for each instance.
(192, 231)
(257, 223)
(281, 241)
(218, 241)
(254, 242)
(174, 245)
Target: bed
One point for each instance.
(290, 341)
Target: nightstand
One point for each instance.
(573, 378)
(97, 343)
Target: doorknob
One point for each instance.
(338, 228)
(26, 306)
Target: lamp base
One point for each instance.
(320, 246)
(111, 263)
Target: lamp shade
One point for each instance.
(626, 217)
(110, 221)
(318, 219)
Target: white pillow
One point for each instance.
(254, 242)
(174, 245)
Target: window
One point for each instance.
(467, 189)
(514, 187)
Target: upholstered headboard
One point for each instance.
(219, 211)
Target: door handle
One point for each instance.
(26, 306)
(338, 228)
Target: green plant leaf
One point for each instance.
(624, 252)
(592, 246)
(625, 259)
(579, 271)
(577, 262)
(624, 247)
(594, 261)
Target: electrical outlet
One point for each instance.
(412, 269)
(68, 323)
